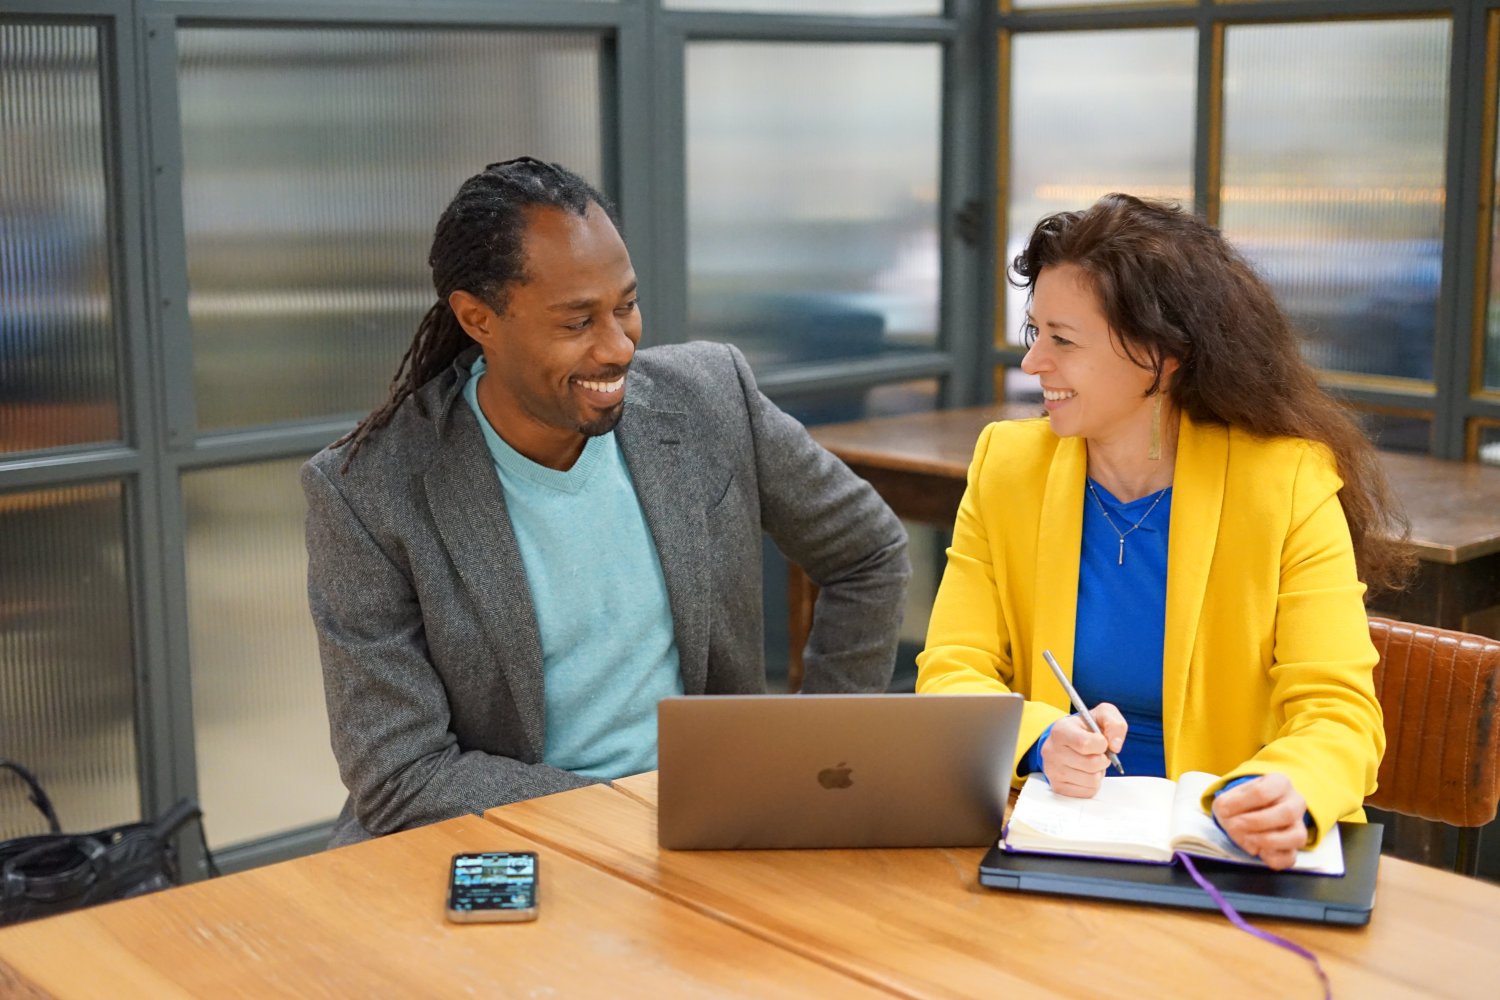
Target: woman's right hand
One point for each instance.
(1073, 757)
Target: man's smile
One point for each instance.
(601, 393)
(601, 386)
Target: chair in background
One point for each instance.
(1438, 689)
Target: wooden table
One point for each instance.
(367, 921)
(622, 918)
(918, 463)
(916, 923)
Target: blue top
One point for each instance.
(1119, 636)
(608, 650)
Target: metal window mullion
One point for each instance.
(120, 101)
(282, 846)
(67, 467)
(756, 27)
(71, 10)
(981, 342)
(994, 337)
(1087, 18)
(260, 444)
(1090, 19)
(1361, 395)
(629, 110)
(168, 280)
(1484, 408)
(171, 424)
(543, 14)
(961, 312)
(669, 314)
(1208, 119)
(1462, 231)
(802, 379)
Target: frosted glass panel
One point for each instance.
(846, 7)
(57, 350)
(812, 198)
(67, 694)
(1333, 181)
(264, 763)
(1094, 112)
(316, 164)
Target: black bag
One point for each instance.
(55, 872)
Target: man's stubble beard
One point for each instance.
(604, 423)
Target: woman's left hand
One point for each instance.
(1264, 817)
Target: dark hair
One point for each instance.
(1171, 286)
(478, 247)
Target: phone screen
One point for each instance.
(495, 885)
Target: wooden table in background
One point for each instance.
(918, 463)
(367, 921)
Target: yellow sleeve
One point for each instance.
(1330, 732)
(968, 647)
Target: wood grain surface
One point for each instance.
(368, 921)
(918, 923)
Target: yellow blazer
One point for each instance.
(1268, 663)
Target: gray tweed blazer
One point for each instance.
(432, 664)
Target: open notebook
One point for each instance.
(1139, 819)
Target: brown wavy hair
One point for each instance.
(1171, 286)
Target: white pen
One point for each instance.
(1088, 718)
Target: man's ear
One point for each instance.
(475, 316)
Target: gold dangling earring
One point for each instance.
(1155, 453)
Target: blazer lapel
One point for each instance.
(658, 450)
(1197, 503)
(468, 508)
(1059, 551)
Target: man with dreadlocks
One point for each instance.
(543, 532)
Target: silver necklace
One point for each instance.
(1110, 521)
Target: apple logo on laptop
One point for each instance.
(836, 777)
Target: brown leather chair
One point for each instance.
(1439, 690)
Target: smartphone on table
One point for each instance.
(492, 886)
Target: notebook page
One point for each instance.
(1124, 811)
(1192, 827)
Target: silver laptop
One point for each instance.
(834, 770)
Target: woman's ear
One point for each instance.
(474, 315)
(1169, 366)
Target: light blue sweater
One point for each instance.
(608, 649)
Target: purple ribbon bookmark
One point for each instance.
(1234, 918)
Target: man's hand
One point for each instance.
(1264, 817)
(1073, 758)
